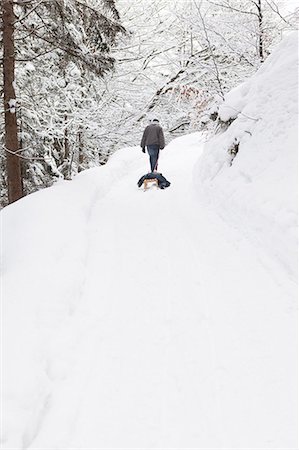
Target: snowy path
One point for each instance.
(176, 347)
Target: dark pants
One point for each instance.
(153, 151)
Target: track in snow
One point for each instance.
(181, 318)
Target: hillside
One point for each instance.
(167, 318)
(257, 191)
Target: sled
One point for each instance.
(153, 179)
(149, 183)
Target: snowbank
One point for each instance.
(256, 190)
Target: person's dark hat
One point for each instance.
(155, 120)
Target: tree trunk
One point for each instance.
(80, 152)
(261, 31)
(13, 162)
(66, 140)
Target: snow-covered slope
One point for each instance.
(157, 319)
(258, 192)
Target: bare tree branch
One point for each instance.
(228, 6)
(210, 48)
(276, 10)
(19, 20)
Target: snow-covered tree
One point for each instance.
(176, 62)
(57, 37)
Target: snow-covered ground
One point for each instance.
(160, 319)
(258, 192)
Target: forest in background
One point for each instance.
(84, 77)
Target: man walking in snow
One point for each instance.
(153, 139)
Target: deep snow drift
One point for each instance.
(258, 193)
(164, 318)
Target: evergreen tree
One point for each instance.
(81, 32)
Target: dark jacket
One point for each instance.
(153, 134)
(162, 182)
